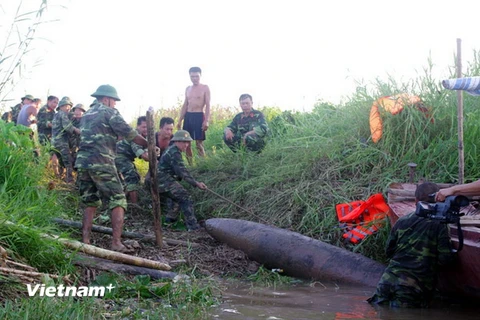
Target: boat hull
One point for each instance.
(461, 278)
(297, 255)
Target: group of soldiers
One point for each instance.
(102, 148)
(56, 124)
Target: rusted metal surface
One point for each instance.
(462, 278)
(297, 255)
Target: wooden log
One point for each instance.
(106, 265)
(152, 163)
(126, 234)
(113, 255)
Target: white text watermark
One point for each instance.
(67, 291)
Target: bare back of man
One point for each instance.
(195, 112)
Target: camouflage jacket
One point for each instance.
(171, 168)
(61, 128)
(100, 126)
(417, 247)
(44, 117)
(242, 124)
(74, 139)
(129, 150)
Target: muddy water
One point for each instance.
(321, 301)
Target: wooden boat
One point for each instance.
(297, 255)
(462, 278)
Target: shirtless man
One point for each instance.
(196, 112)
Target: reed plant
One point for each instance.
(19, 37)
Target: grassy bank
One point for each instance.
(316, 160)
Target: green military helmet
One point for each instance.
(63, 102)
(80, 106)
(181, 135)
(28, 96)
(106, 90)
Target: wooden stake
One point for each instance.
(461, 157)
(152, 163)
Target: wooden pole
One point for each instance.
(152, 163)
(461, 157)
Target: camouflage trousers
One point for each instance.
(176, 193)
(62, 151)
(400, 291)
(130, 176)
(252, 143)
(96, 185)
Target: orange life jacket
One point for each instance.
(362, 218)
(393, 104)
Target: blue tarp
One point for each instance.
(469, 85)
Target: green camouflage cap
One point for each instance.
(28, 96)
(79, 106)
(181, 135)
(63, 102)
(106, 90)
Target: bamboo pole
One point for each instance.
(152, 163)
(461, 156)
(126, 234)
(113, 255)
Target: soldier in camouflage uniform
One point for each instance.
(62, 128)
(97, 179)
(126, 154)
(247, 129)
(171, 169)
(75, 116)
(416, 247)
(28, 99)
(45, 120)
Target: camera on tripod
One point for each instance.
(445, 212)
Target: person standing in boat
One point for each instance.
(416, 247)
